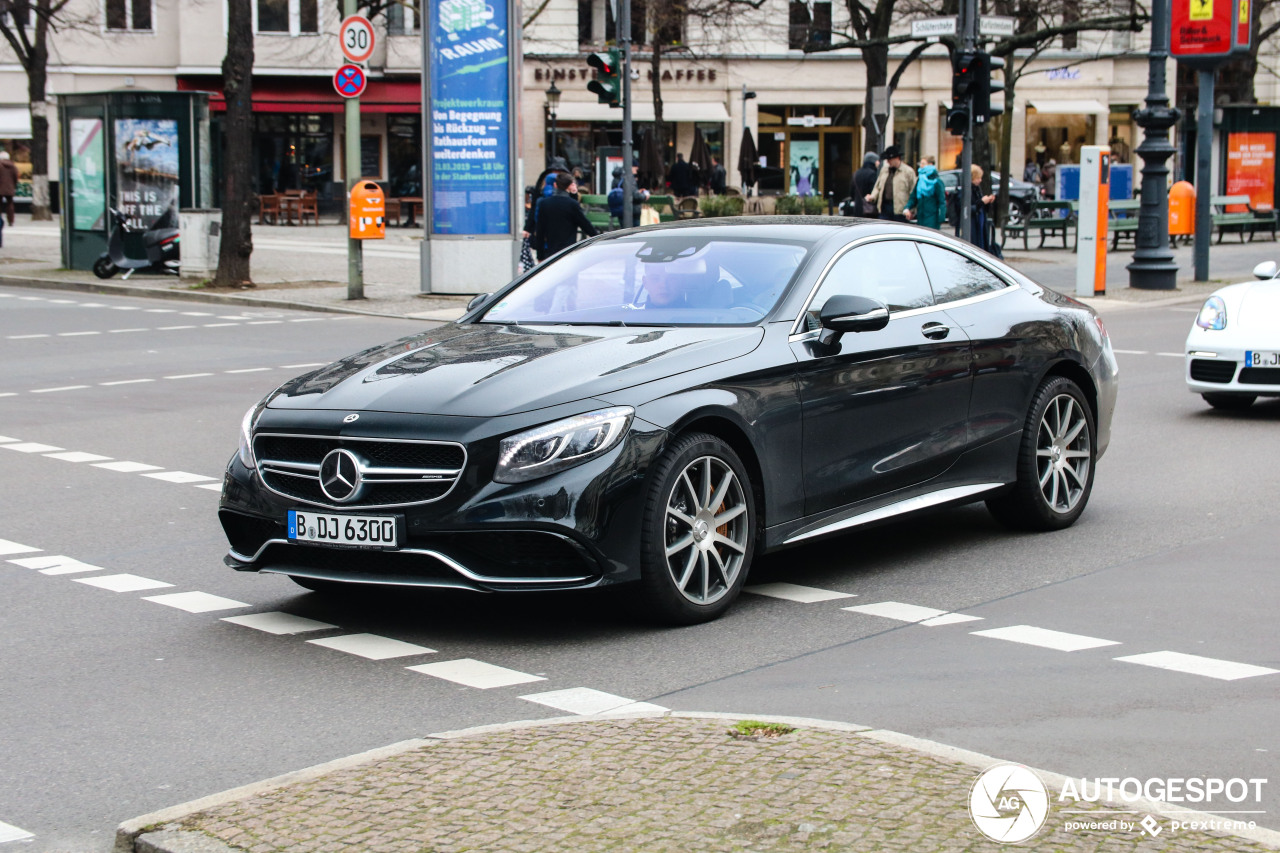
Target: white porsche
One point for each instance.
(1233, 350)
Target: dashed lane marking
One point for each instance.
(8, 832)
(78, 456)
(302, 366)
(60, 388)
(1043, 637)
(1132, 352)
(473, 673)
(276, 622)
(174, 328)
(213, 487)
(796, 592)
(584, 700)
(30, 447)
(124, 382)
(196, 602)
(27, 337)
(76, 334)
(1224, 670)
(56, 565)
(1172, 354)
(180, 477)
(7, 547)
(248, 370)
(122, 331)
(126, 467)
(950, 619)
(372, 646)
(188, 375)
(123, 583)
(5, 438)
(897, 610)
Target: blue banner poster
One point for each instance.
(146, 168)
(470, 118)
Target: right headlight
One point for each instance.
(560, 445)
(246, 433)
(1213, 315)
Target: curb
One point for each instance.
(150, 833)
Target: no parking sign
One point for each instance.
(349, 81)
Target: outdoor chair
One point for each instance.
(268, 208)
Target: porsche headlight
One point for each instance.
(246, 433)
(557, 446)
(1213, 315)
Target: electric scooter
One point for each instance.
(160, 242)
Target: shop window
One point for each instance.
(404, 155)
(1070, 14)
(291, 17)
(128, 15)
(810, 24)
(669, 22)
(597, 25)
(402, 19)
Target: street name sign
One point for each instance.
(933, 27)
(995, 25)
(356, 38)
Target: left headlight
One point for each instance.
(246, 433)
(1213, 315)
(557, 446)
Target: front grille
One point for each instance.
(395, 473)
(1212, 370)
(1260, 376)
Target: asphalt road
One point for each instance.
(116, 705)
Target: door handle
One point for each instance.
(935, 331)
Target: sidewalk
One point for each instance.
(305, 267)
(674, 782)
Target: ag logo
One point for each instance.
(1008, 803)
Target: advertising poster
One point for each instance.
(804, 168)
(88, 173)
(1251, 168)
(470, 118)
(146, 168)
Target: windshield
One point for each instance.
(673, 279)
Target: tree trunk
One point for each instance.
(1006, 148)
(37, 76)
(655, 65)
(237, 169)
(876, 60)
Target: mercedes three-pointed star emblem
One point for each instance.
(340, 475)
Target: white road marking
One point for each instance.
(174, 328)
(263, 322)
(1032, 636)
(1224, 670)
(248, 370)
(196, 314)
(795, 592)
(178, 477)
(122, 583)
(77, 456)
(213, 487)
(161, 310)
(125, 382)
(61, 388)
(951, 619)
(584, 700)
(219, 325)
(1172, 354)
(196, 602)
(276, 622)
(897, 610)
(5, 438)
(308, 320)
(474, 673)
(125, 308)
(9, 394)
(30, 447)
(92, 305)
(372, 646)
(76, 334)
(301, 366)
(126, 467)
(63, 301)
(121, 331)
(7, 547)
(8, 832)
(1132, 352)
(26, 337)
(188, 375)
(56, 565)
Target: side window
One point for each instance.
(955, 277)
(889, 271)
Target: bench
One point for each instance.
(1122, 220)
(596, 208)
(1249, 220)
(665, 205)
(1045, 217)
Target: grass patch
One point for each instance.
(759, 731)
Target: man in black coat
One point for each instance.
(559, 217)
(681, 177)
(864, 180)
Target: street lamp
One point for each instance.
(553, 103)
(746, 96)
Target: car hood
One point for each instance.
(483, 370)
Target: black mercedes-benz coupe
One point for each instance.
(659, 405)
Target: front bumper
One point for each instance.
(1216, 369)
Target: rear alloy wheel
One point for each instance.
(1230, 402)
(1055, 461)
(699, 531)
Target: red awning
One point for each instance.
(312, 95)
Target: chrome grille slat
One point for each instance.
(289, 464)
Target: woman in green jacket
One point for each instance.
(927, 205)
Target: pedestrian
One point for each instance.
(893, 186)
(1051, 178)
(558, 218)
(980, 215)
(681, 177)
(717, 176)
(1031, 174)
(8, 185)
(927, 205)
(864, 181)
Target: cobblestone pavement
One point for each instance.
(651, 784)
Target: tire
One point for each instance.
(320, 585)
(692, 569)
(103, 268)
(1230, 402)
(1056, 461)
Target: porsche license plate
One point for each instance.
(1259, 358)
(357, 531)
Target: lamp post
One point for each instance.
(746, 96)
(553, 103)
(1153, 266)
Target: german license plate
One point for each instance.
(1257, 358)
(357, 531)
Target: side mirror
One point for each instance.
(843, 314)
(477, 300)
(1266, 270)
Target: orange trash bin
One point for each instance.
(1182, 211)
(368, 214)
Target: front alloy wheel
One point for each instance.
(699, 530)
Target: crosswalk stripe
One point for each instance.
(57, 564)
(30, 447)
(584, 700)
(77, 456)
(126, 467)
(196, 602)
(1224, 670)
(276, 622)
(474, 673)
(122, 583)
(897, 610)
(1043, 637)
(796, 592)
(371, 646)
(178, 477)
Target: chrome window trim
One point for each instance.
(1010, 284)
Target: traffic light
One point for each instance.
(608, 83)
(963, 76)
(983, 107)
(958, 121)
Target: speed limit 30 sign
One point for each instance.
(356, 38)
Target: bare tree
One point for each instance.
(237, 175)
(26, 25)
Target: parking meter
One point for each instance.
(1091, 225)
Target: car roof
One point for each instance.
(808, 228)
